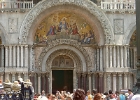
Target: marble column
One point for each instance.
(74, 79)
(25, 76)
(2, 56)
(18, 56)
(13, 77)
(128, 57)
(101, 83)
(50, 82)
(7, 76)
(43, 82)
(98, 58)
(1, 76)
(118, 57)
(115, 6)
(114, 56)
(135, 57)
(120, 80)
(10, 56)
(125, 56)
(107, 57)
(14, 56)
(79, 81)
(122, 55)
(26, 56)
(101, 59)
(31, 58)
(110, 50)
(39, 83)
(47, 82)
(131, 57)
(125, 80)
(93, 81)
(105, 80)
(6, 56)
(21, 56)
(128, 81)
(84, 79)
(89, 76)
(109, 81)
(114, 82)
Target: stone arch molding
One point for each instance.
(86, 4)
(72, 45)
(69, 53)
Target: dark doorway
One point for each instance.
(62, 80)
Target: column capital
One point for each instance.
(120, 74)
(39, 74)
(108, 74)
(101, 74)
(114, 74)
(26, 46)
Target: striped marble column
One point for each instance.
(122, 55)
(6, 56)
(107, 60)
(114, 56)
(125, 56)
(125, 80)
(2, 56)
(110, 50)
(114, 82)
(18, 56)
(10, 56)
(14, 56)
(118, 57)
(101, 59)
(21, 55)
(120, 80)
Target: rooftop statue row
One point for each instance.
(64, 25)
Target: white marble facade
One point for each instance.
(112, 61)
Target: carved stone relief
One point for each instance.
(118, 26)
(13, 25)
(44, 4)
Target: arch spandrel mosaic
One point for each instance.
(133, 39)
(65, 25)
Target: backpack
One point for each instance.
(122, 97)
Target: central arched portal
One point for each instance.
(62, 74)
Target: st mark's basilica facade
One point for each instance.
(68, 44)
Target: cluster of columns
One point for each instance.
(90, 81)
(17, 55)
(116, 81)
(119, 56)
(40, 81)
(13, 76)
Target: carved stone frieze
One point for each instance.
(58, 42)
(86, 4)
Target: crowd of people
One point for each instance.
(79, 94)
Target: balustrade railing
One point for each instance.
(16, 5)
(118, 6)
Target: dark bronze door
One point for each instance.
(62, 80)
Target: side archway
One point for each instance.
(83, 4)
(4, 37)
(130, 30)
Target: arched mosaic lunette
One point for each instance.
(86, 4)
(58, 42)
(68, 53)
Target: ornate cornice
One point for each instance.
(86, 4)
